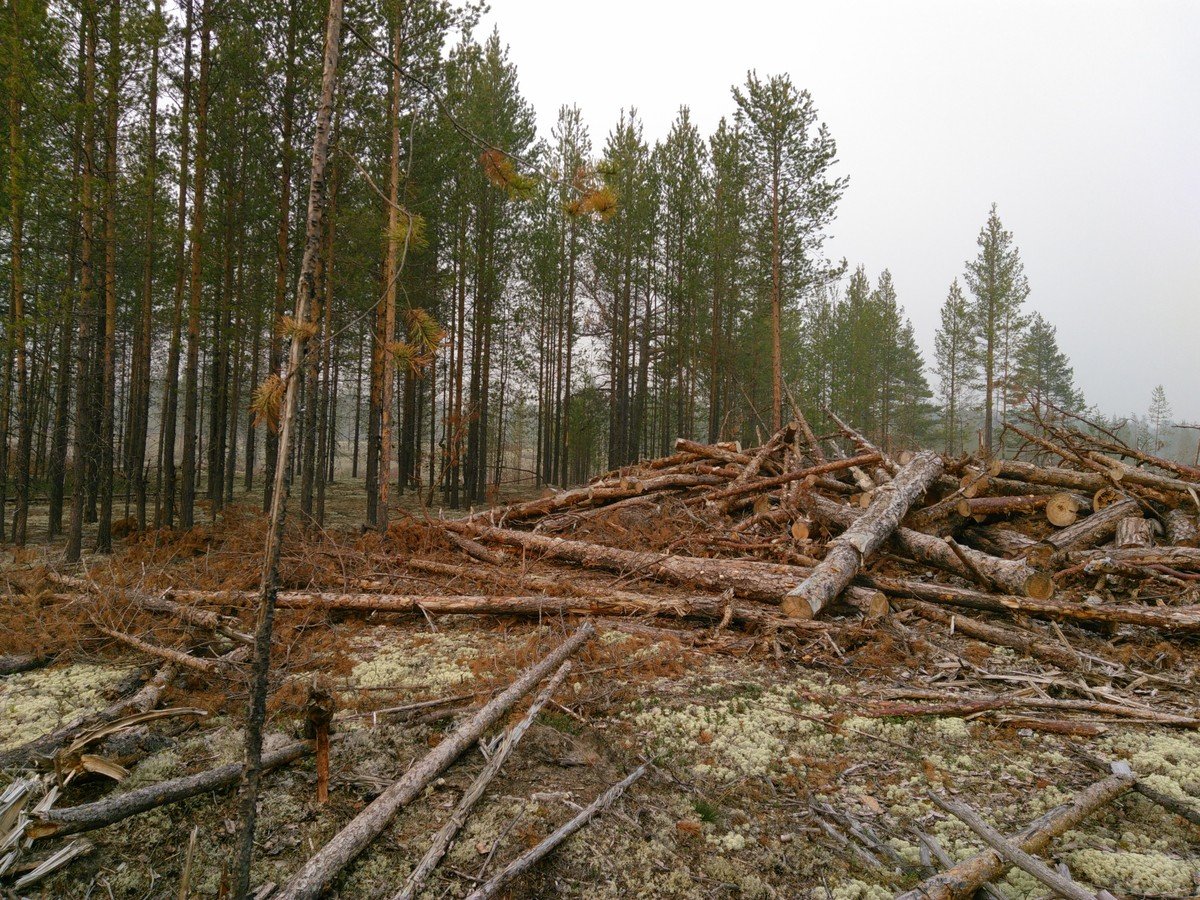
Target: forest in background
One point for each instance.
(490, 306)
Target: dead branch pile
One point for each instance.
(1078, 553)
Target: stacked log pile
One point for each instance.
(1073, 547)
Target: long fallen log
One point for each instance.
(1028, 863)
(593, 494)
(1016, 639)
(1014, 576)
(969, 706)
(326, 863)
(15, 663)
(530, 857)
(1093, 529)
(750, 579)
(965, 878)
(458, 818)
(110, 810)
(1183, 619)
(846, 554)
(765, 484)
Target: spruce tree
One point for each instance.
(1043, 370)
(956, 365)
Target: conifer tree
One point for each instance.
(1159, 416)
(957, 365)
(997, 281)
(1043, 370)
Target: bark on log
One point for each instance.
(1003, 636)
(1013, 576)
(969, 706)
(846, 554)
(1182, 619)
(997, 541)
(964, 879)
(16, 663)
(110, 810)
(1093, 529)
(765, 484)
(1018, 470)
(1187, 558)
(310, 881)
(1133, 533)
(594, 495)
(530, 857)
(458, 818)
(1181, 528)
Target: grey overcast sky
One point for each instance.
(1080, 119)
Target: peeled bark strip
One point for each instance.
(110, 810)
(964, 879)
(458, 818)
(1183, 619)
(311, 880)
(847, 553)
(531, 857)
(1014, 576)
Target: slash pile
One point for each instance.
(1078, 553)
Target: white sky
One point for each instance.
(1080, 119)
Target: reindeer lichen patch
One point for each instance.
(728, 739)
(426, 662)
(39, 701)
(1173, 756)
(1137, 873)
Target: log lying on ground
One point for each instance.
(959, 706)
(1181, 528)
(751, 579)
(592, 494)
(110, 810)
(15, 663)
(1013, 576)
(765, 484)
(1181, 619)
(1187, 558)
(458, 818)
(846, 554)
(965, 878)
(530, 857)
(1023, 641)
(310, 881)
(1133, 532)
(1060, 884)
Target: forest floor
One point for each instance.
(772, 775)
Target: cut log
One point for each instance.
(1062, 510)
(1013, 576)
(310, 881)
(846, 554)
(1181, 528)
(530, 857)
(961, 882)
(15, 663)
(458, 818)
(993, 506)
(1133, 532)
(1070, 479)
(1003, 636)
(110, 810)
(1181, 619)
(764, 484)
(1093, 529)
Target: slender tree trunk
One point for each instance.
(109, 374)
(275, 351)
(17, 308)
(305, 293)
(86, 308)
(191, 400)
(167, 473)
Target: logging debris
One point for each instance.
(806, 640)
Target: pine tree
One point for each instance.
(956, 365)
(997, 280)
(796, 197)
(1043, 370)
(1159, 416)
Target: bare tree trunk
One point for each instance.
(305, 293)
